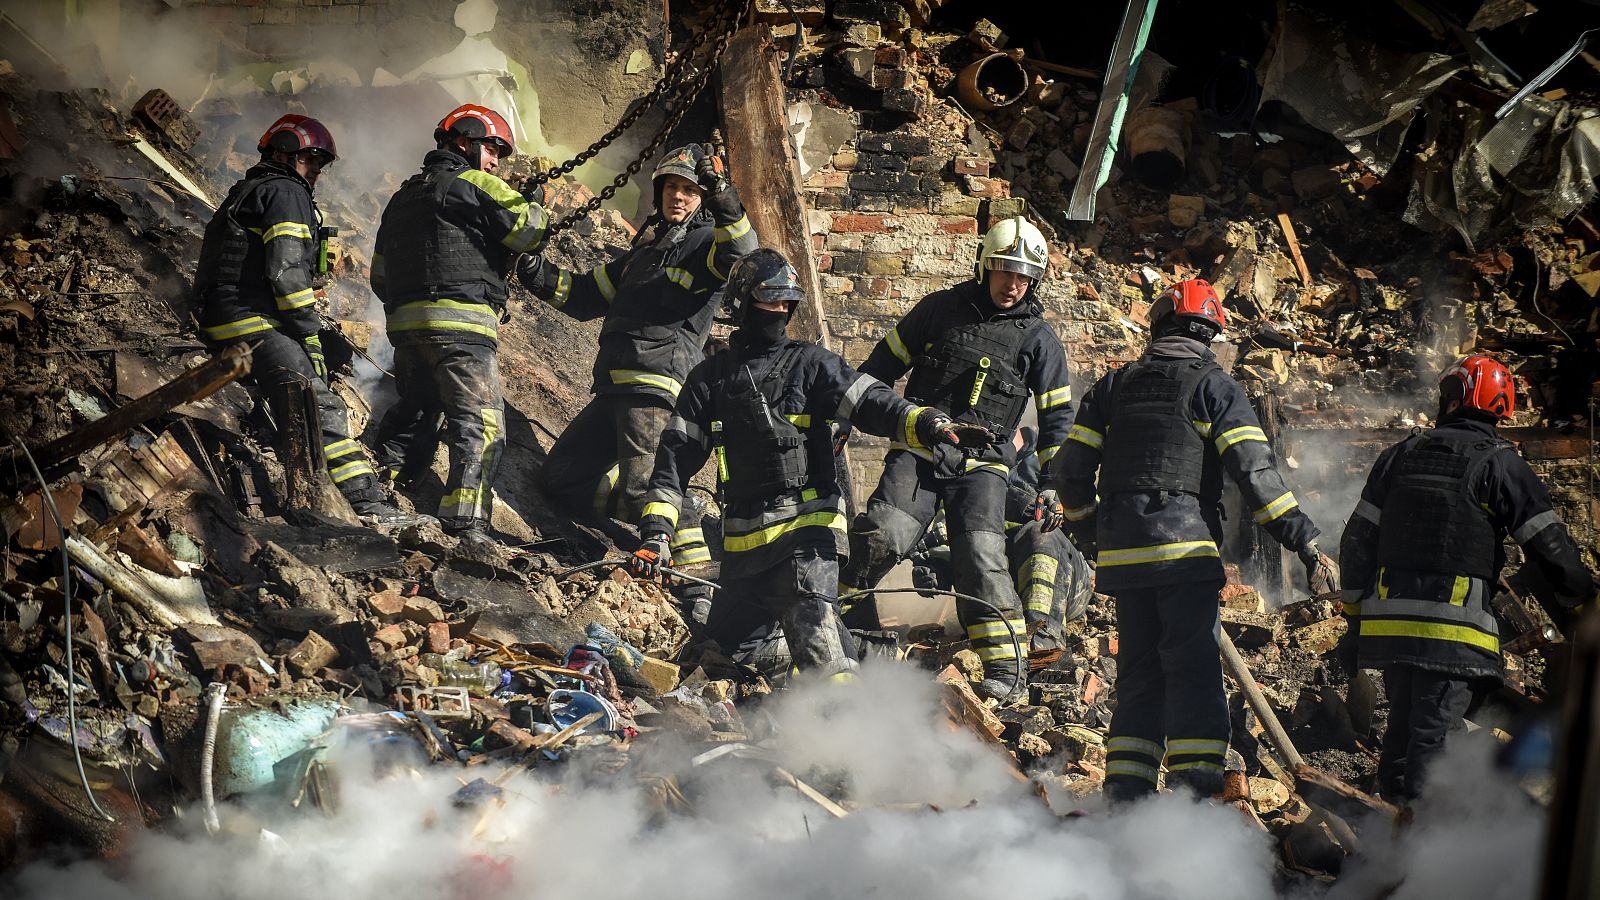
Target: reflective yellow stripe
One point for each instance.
(1459, 590)
(974, 465)
(238, 329)
(458, 503)
(679, 277)
(1086, 436)
(897, 346)
(563, 289)
(531, 219)
(984, 630)
(826, 518)
(1196, 745)
(446, 315)
(724, 233)
(1383, 587)
(604, 487)
(802, 420)
(1048, 454)
(1239, 435)
(1276, 508)
(1159, 553)
(1036, 582)
(1130, 768)
(1052, 399)
(911, 426)
(808, 494)
(1142, 746)
(635, 376)
(350, 470)
(340, 448)
(297, 299)
(1433, 631)
(687, 536)
(602, 280)
(996, 653)
(666, 511)
(690, 556)
(286, 229)
(1203, 427)
(1350, 609)
(1079, 513)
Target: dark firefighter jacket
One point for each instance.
(1025, 482)
(657, 299)
(1153, 538)
(446, 243)
(819, 389)
(1041, 361)
(1441, 620)
(258, 258)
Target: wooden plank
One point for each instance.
(761, 161)
(194, 384)
(1532, 441)
(1293, 241)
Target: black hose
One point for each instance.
(665, 570)
(66, 602)
(1016, 645)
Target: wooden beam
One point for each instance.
(762, 162)
(1531, 441)
(197, 383)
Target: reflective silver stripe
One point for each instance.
(1533, 526)
(1369, 512)
(446, 315)
(679, 423)
(1131, 768)
(1388, 607)
(1141, 746)
(859, 389)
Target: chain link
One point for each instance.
(680, 85)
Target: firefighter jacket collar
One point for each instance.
(1468, 423)
(977, 294)
(268, 168)
(1176, 346)
(745, 349)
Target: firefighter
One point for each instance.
(447, 241)
(658, 300)
(261, 251)
(1421, 556)
(1161, 431)
(1052, 578)
(978, 349)
(763, 409)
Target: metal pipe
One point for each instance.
(666, 570)
(215, 691)
(1258, 702)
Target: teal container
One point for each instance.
(251, 743)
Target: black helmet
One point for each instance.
(763, 274)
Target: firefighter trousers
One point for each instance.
(279, 360)
(460, 383)
(605, 458)
(1424, 708)
(899, 511)
(799, 593)
(1171, 704)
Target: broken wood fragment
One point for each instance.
(194, 384)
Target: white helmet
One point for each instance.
(1014, 245)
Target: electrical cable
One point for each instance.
(665, 570)
(66, 594)
(1016, 645)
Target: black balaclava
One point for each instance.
(763, 327)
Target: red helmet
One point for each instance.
(1195, 297)
(294, 134)
(478, 123)
(1485, 385)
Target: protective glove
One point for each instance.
(319, 363)
(1322, 573)
(935, 428)
(651, 557)
(841, 435)
(719, 195)
(1048, 510)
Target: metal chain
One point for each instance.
(680, 93)
(670, 78)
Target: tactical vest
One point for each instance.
(227, 244)
(1431, 518)
(430, 254)
(971, 373)
(760, 454)
(1151, 443)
